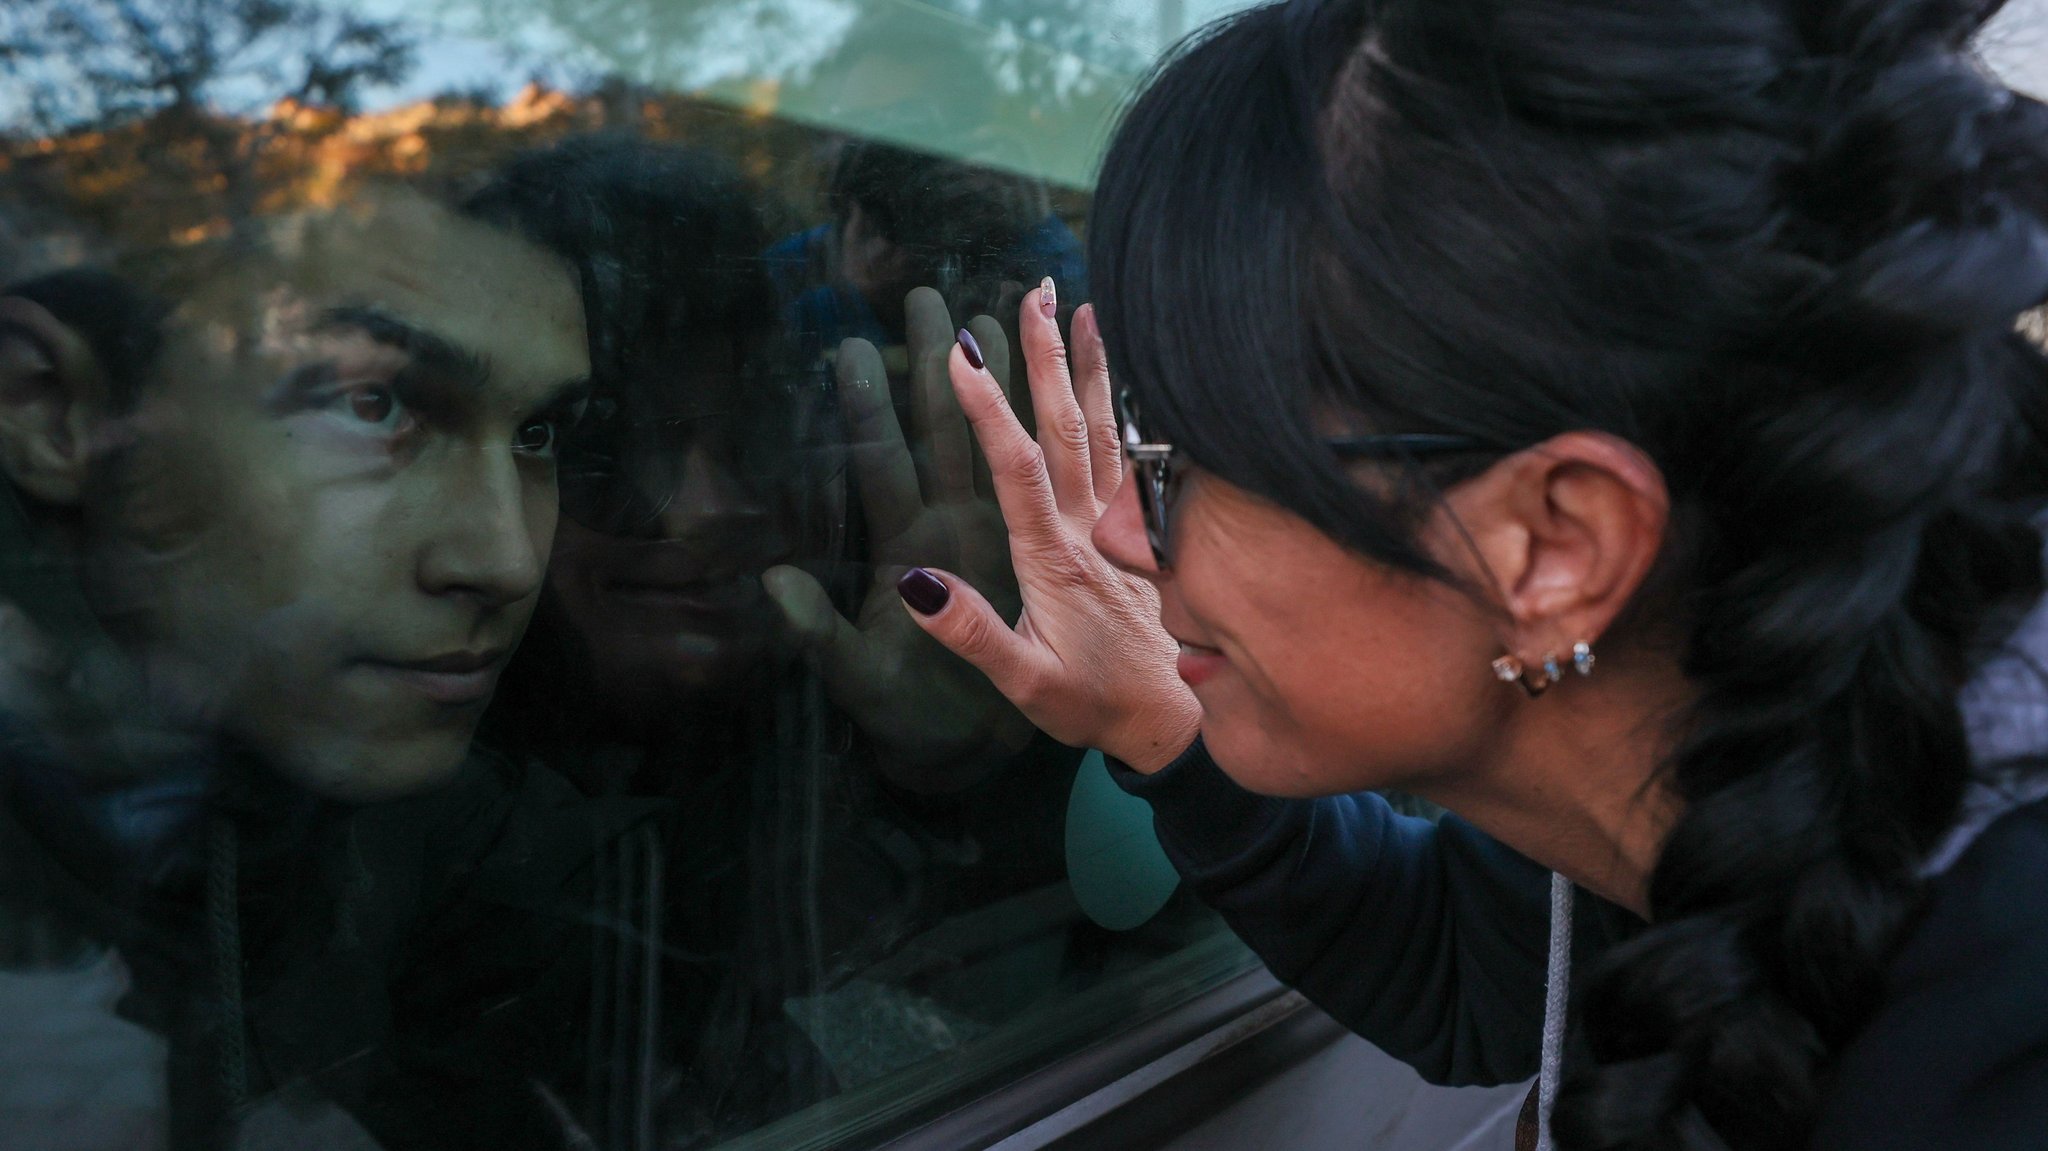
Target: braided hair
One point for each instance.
(1781, 246)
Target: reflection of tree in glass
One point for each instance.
(683, 45)
(97, 63)
(164, 93)
(1021, 85)
(1050, 50)
(1064, 47)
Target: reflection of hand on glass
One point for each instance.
(111, 719)
(938, 723)
(1087, 659)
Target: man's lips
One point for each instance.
(453, 678)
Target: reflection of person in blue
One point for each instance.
(902, 219)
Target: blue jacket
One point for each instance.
(1429, 940)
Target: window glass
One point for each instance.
(457, 460)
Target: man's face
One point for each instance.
(339, 492)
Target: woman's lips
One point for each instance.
(1198, 663)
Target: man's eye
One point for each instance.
(372, 405)
(376, 405)
(536, 437)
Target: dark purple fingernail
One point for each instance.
(924, 592)
(973, 351)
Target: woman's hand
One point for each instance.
(938, 723)
(1087, 660)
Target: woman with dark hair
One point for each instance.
(1608, 421)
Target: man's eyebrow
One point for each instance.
(566, 394)
(437, 354)
(433, 353)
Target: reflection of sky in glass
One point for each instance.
(2016, 44)
(482, 46)
(754, 40)
(1050, 72)
(1026, 84)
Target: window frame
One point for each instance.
(1144, 1085)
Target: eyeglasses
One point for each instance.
(1158, 482)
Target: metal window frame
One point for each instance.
(1141, 1087)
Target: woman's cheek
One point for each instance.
(1255, 738)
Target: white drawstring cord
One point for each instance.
(1556, 997)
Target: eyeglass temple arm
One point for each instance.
(1417, 444)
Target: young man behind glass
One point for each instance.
(284, 528)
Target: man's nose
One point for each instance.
(1120, 532)
(491, 540)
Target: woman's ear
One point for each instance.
(1566, 533)
(52, 394)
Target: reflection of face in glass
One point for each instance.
(340, 491)
(678, 493)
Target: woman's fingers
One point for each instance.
(964, 622)
(994, 343)
(941, 432)
(1086, 661)
(1016, 465)
(1094, 393)
(881, 457)
(995, 352)
(1062, 431)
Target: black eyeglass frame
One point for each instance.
(1152, 464)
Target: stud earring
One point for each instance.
(1509, 669)
(1582, 658)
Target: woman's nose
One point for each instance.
(1120, 533)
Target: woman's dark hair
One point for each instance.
(1781, 246)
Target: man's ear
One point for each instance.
(52, 393)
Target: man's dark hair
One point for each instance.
(120, 314)
(666, 241)
(936, 208)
